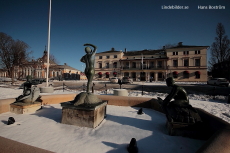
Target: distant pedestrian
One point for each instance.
(151, 79)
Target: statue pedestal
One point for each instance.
(23, 108)
(120, 92)
(46, 89)
(196, 131)
(83, 116)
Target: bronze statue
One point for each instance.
(177, 93)
(87, 98)
(89, 60)
(30, 94)
(178, 110)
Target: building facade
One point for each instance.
(108, 64)
(187, 63)
(184, 63)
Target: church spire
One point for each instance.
(45, 52)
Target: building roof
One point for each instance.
(111, 51)
(144, 52)
(181, 46)
(65, 66)
(187, 46)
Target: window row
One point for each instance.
(186, 62)
(108, 56)
(107, 65)
(186, 52)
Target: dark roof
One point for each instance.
(186, 46)
(144, 52)
(63, 67)
(110, 51)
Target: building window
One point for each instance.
(107, 74)
(151, 65)
(175, 74)
(175, 53)
(144, 65)
(100, 65)
(160, 75)
(100, 57)
(186, 62)
(186, 52)
(133, 64)
(99, 74)
(197, 74)
(115, 65)
(107, 57)
(159, 64)
(197, 62)
(197, 51)
(127, 65)
(175, 63)
(115, 56)
(186, 74)
(126, 74)
(107, 65)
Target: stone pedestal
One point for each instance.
(46, 89)
(196, 131)
(23, 108)
(120, 92)
(83, 116)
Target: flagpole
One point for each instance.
(48, 55)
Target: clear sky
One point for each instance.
(131, 24)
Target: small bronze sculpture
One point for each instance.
(87, 98)
(30, 94)
(178, 110)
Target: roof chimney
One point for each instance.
(125, 50)
(163, 47)
(180, 43)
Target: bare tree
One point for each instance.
(53, 58)
(220, 49)
(13, 53)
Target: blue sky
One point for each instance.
(131, 24)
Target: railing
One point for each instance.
(145, 68)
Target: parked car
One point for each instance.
(218, 82)
(114, 80)
(4, 79)
(127, 80)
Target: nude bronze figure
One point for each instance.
(177, 93)
(176, 105)
(89, 60)
(87, 98)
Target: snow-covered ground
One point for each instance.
(44, 130)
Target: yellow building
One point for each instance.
(107, 64)
(38, 69)
(187, 63)
(184, 63)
